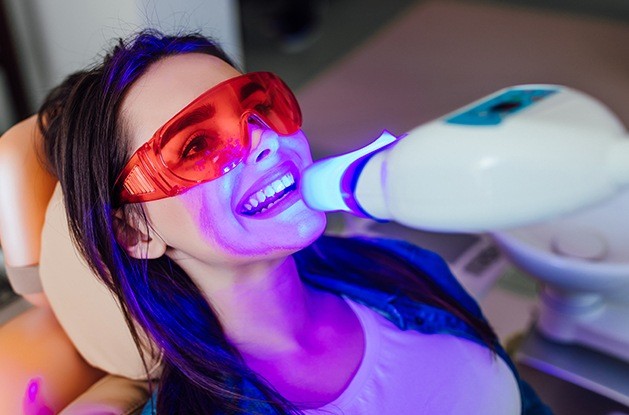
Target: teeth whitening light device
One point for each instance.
(520, 156)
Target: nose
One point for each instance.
(264, 143)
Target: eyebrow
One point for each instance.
(250, 89)
(195, 117)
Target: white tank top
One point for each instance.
(408, 372)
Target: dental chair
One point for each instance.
(71, 353)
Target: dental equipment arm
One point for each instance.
(521, 155)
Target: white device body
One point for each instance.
(520, 155)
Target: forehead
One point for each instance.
(168, 86)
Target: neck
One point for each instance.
(263, 305)
(306, 343)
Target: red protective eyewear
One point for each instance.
(207, 138)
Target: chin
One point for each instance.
(304, 231)
(311, 225)
(308, 231)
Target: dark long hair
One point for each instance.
(86, 146)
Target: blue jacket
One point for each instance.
(411, 315)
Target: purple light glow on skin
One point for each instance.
(33, 402)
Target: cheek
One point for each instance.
(201, 221)
(214, 220)
(183, 220)
(297, 145)
(302, 145)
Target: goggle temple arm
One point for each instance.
(140, 184)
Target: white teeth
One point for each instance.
(270, 190)
(287, 181)
(278, 185)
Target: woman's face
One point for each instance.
(215, 222)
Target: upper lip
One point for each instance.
(268, 178)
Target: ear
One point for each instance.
(136, 239)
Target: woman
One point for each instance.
(180, 178)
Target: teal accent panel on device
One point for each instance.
(497, 109)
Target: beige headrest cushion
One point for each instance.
(84, 306)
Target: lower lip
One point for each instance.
(278, 207)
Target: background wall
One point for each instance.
(55, 38)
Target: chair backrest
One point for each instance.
(83, 305)
(85, 308)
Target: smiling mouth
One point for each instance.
(269, 196)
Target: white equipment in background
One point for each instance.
(583, 260)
